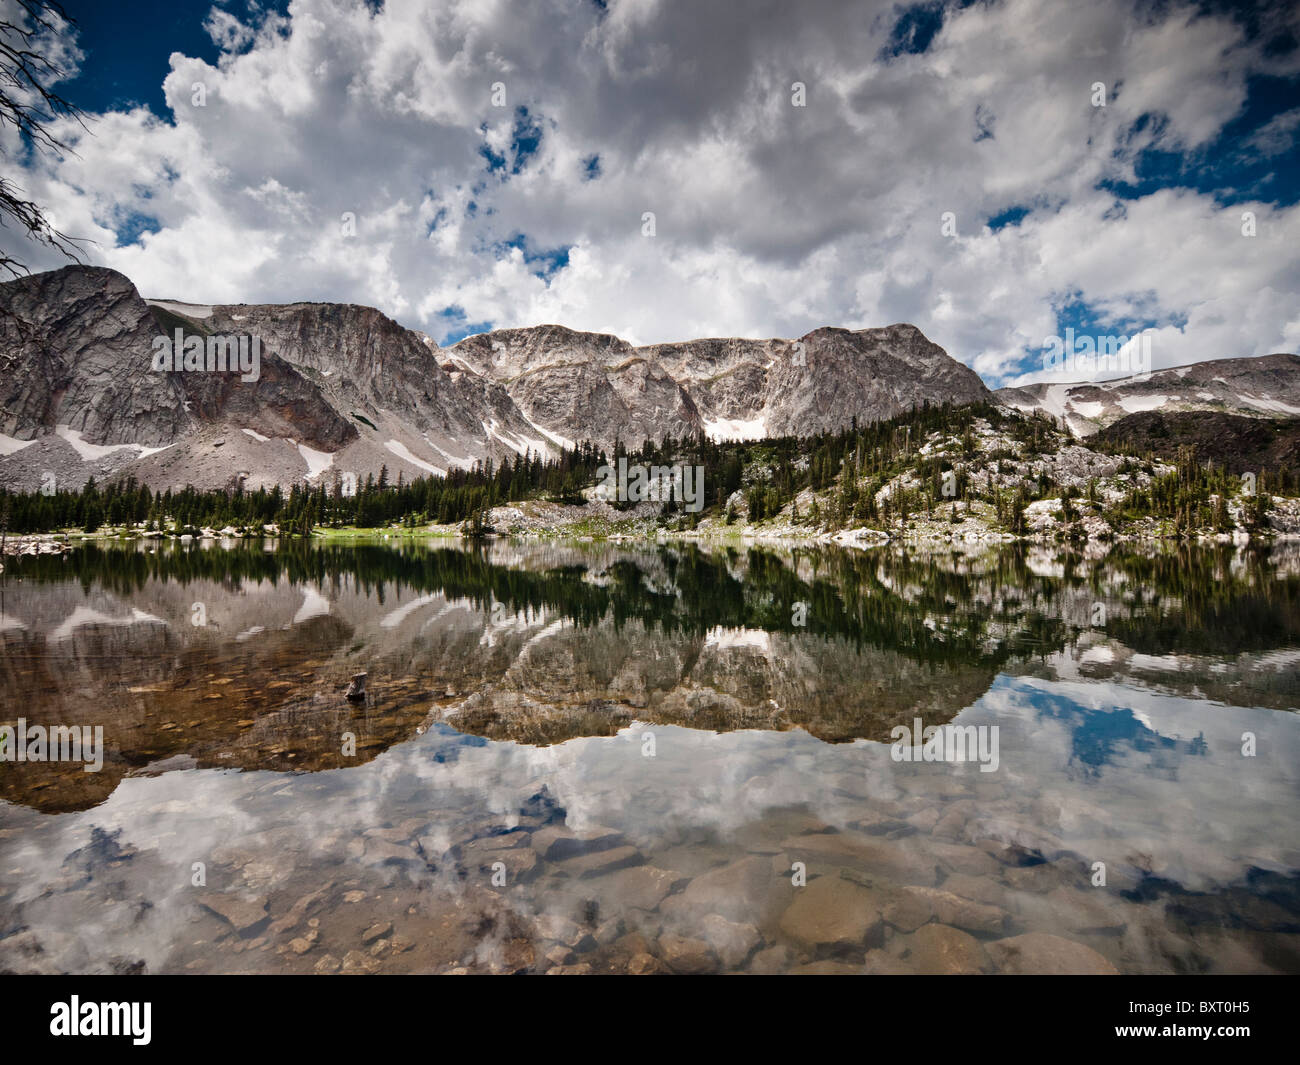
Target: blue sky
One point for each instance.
(499, 163)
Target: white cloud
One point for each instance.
(771, 219)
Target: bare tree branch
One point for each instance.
(30, 105)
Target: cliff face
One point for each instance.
(579, 386)
(599, 387)
(337, 390)
(343, 390)
(756, 388)
(75, 345)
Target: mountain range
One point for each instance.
(343, 391)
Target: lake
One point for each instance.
(666, 757)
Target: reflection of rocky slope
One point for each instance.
(163, 688)
(1269, 679)
(570, 682)
(540, 644)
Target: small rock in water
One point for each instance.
(357, 689)
(733, 942)
(376, 931)
(558, 955)
(557, 842)
(644, 964)
(642, 887)
(243, 914)
(827, 968)
(356, 962)
(686, 955)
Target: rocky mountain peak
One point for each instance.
(345, 390)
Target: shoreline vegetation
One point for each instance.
(935, 475)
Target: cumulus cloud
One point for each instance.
(769, 218)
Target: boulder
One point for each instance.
(641, 887)
(833, 915)
(1043, 954)
(244, 915)
(893, 859)
(943, 950)
(683, 954)
(732, 941)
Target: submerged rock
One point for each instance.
(243, 914)
(893, 859)
(833, 914)
(1043, 954)
(733, 942)
(942, 949)
(683, 954)
(746, 890)
(599, 862)
(954, 910)
(642, 887)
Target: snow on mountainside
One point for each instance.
(1267, 387)
(341, 391)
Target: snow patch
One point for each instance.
(317, 461)
(403, 452)
(465, 462)
(727, 639)
(396, 617)
(94, 452)
(257, 436)
(314, 605)
(84, 615)
(563, 441)
(1274, 405)
(520, 445)
(9, 444)
(1135, 404)
(736, 428)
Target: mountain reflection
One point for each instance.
(238, 657)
